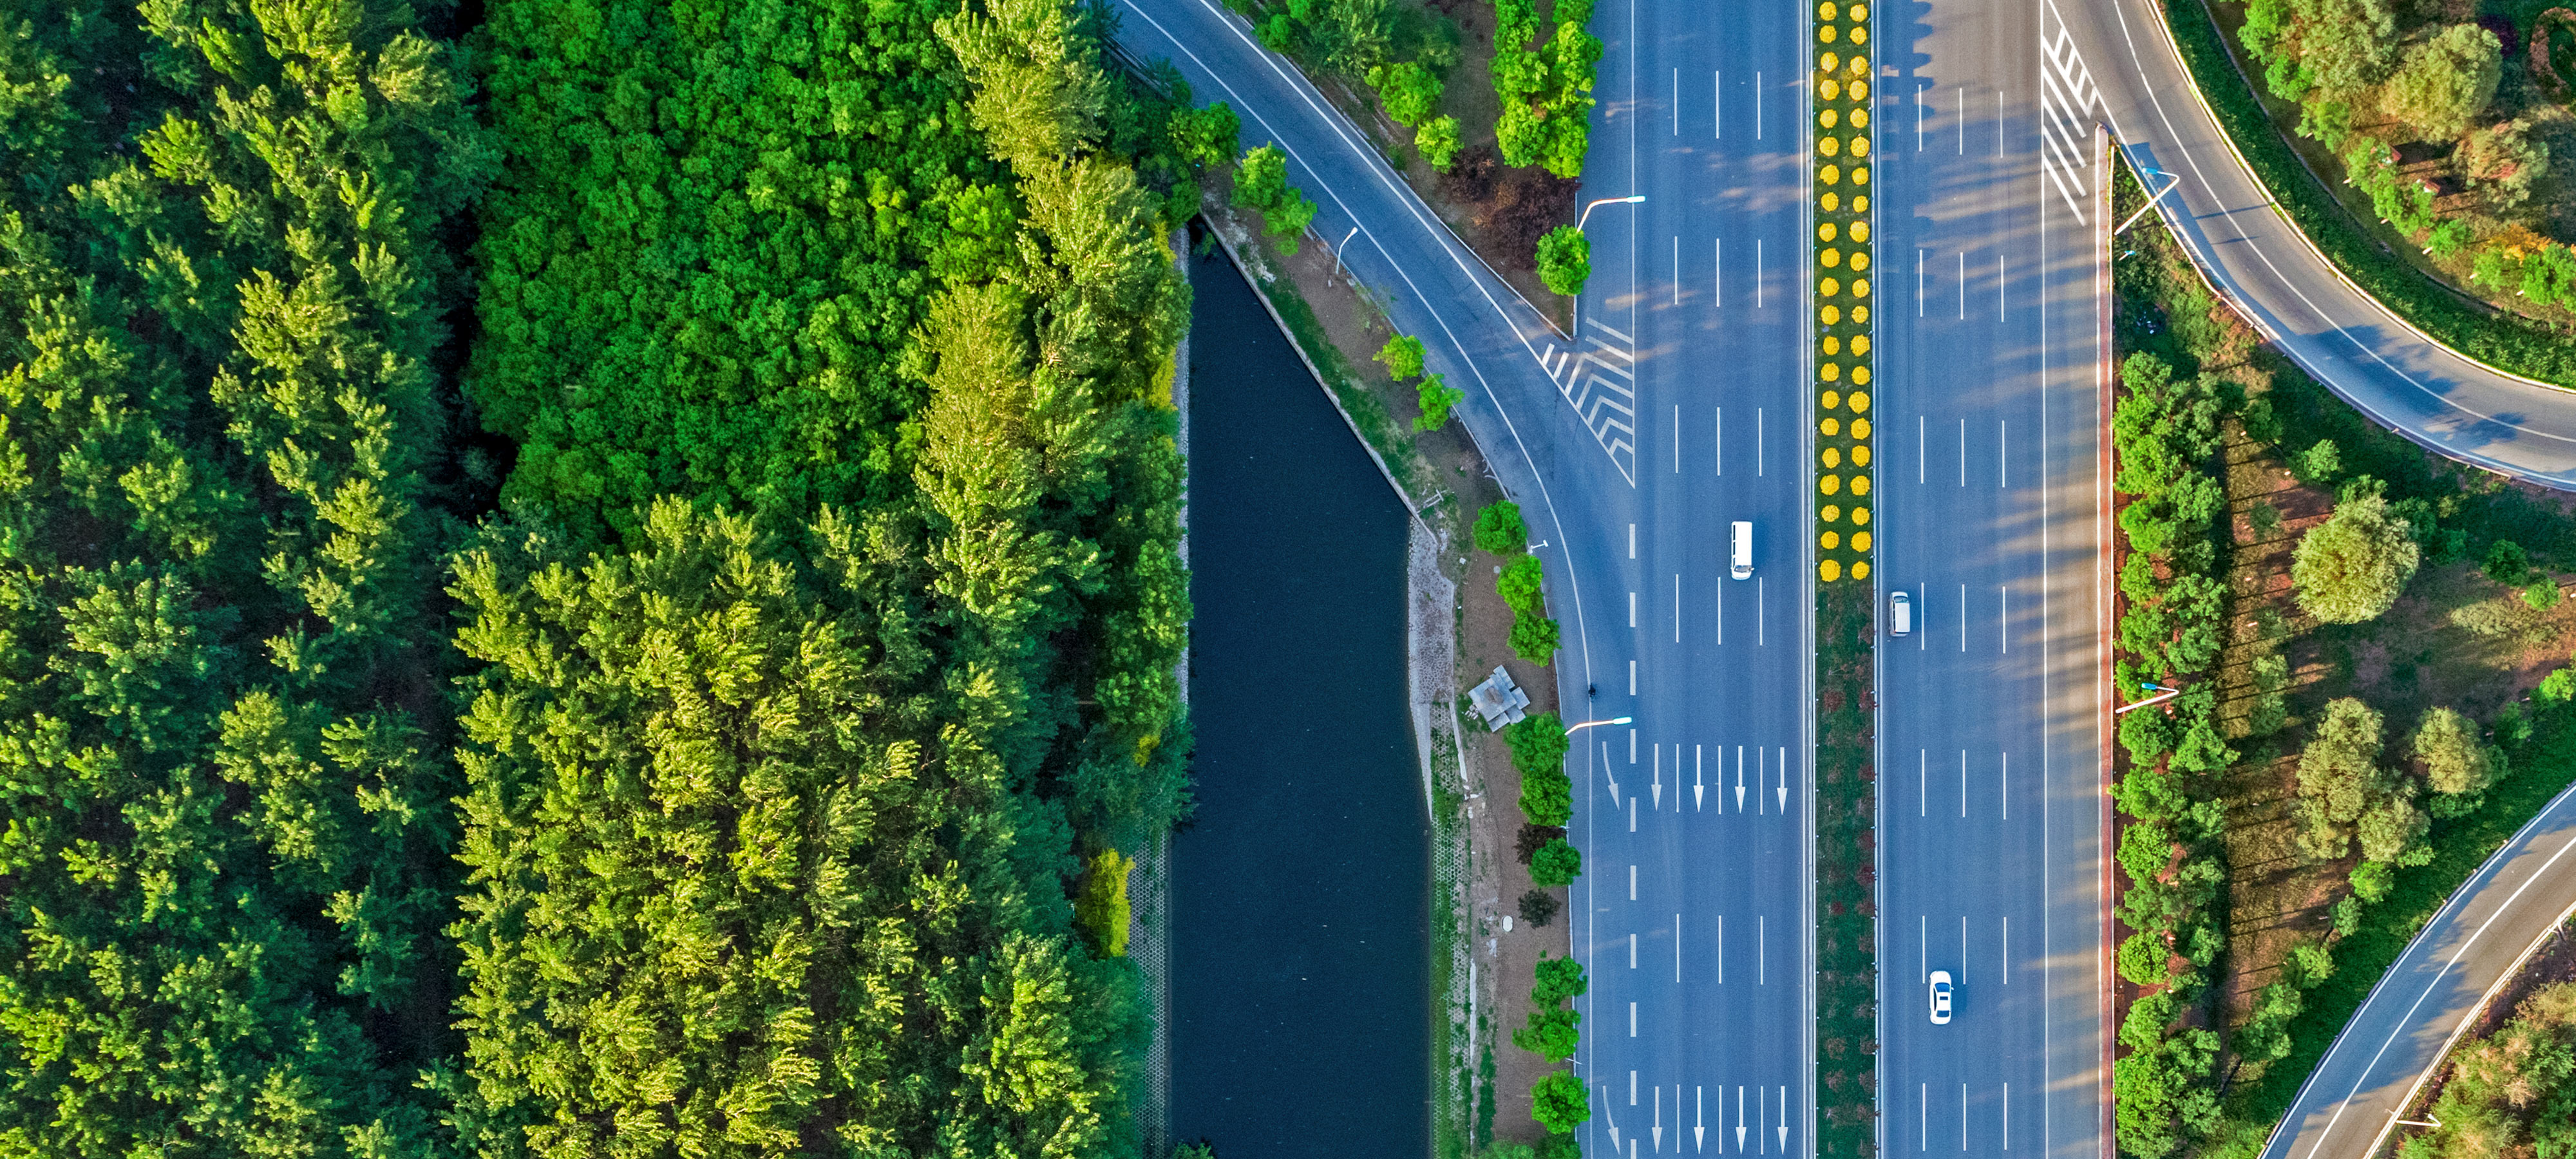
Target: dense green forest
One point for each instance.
(582, 578)
(226, 478)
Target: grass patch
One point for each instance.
(1385, 434)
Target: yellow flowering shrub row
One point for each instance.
(1843, 476)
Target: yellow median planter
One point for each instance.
(1842, 253)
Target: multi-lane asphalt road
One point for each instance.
(1694, 912)
(1706, 115)
(1683, 405)
(1990, 751)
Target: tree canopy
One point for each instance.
(224, 487)
(2353, 566)
(781, 784)
(2446, 81)
(674, 708)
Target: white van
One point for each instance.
(1900, 614)
(1740, 550)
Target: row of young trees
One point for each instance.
(2171, 850)
(1538, 745)
(1433, 396)
(822, 651)
(2348, 569)
(2357, 795)
(1499, 530)
(224, 487)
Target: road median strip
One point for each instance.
(1842, 507)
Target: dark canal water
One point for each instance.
(1301, 999)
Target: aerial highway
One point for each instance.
(1681, 405)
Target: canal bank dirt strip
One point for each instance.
(1845, 815)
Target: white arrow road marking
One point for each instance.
(1611, 1115)
(1611, 776)
(1739, 1120)
(1659, 1118)
(1784, 782)
(1659, 773)
(1784, 1120)
(1699, 1116)
(1698, 790)
(1739, 778)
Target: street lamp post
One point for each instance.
(1590, 723)
(2163, 694)
(1579, 219)
(1586, 215)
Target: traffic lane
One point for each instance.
(2434, 990)
(1723, 857)
(1978, 1083)
(1695, 972)
(1958, 899)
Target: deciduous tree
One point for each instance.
(1261, 185)
(2353, 566)
(1556, 863)
(1499, 528)
(1559, 1102)
(1564, 260)
(1402, 356)
(2445, 82)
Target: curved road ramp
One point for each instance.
(2264, 265)
(2428, 999)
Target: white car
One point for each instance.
(1940, 997)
